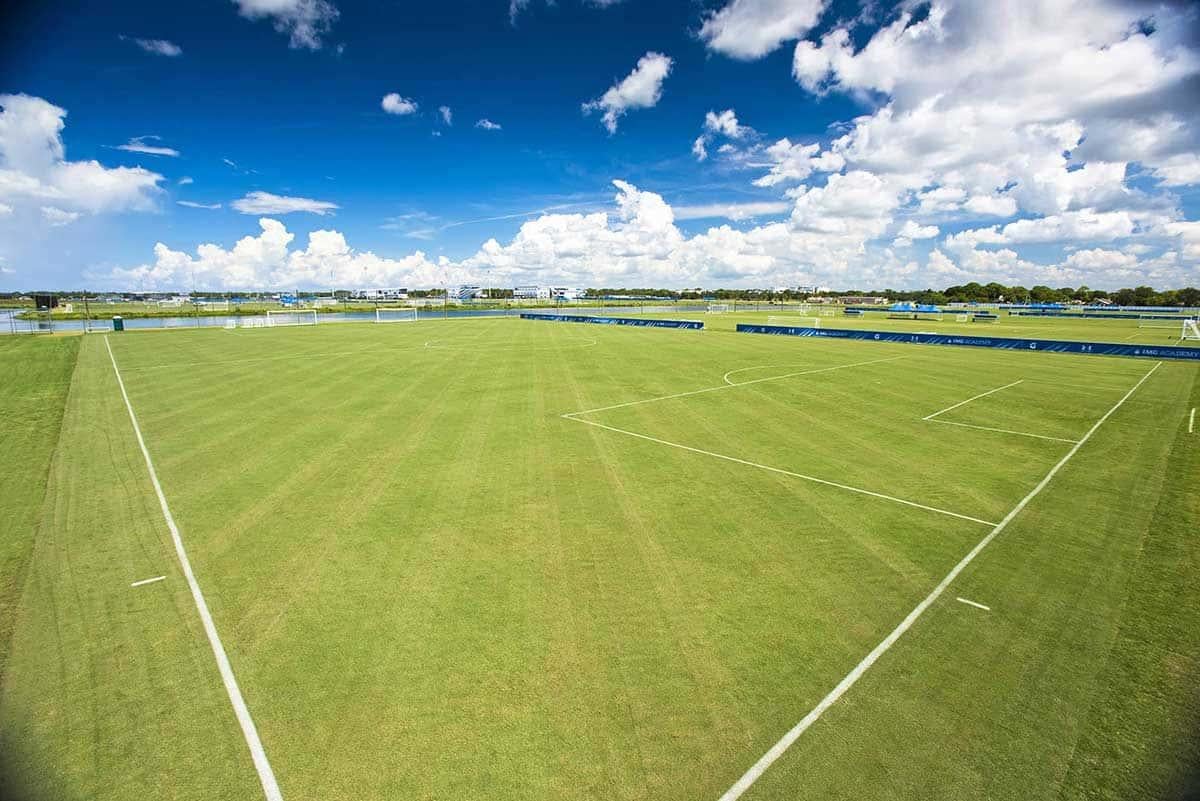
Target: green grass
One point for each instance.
(35, 374)
(432, 585)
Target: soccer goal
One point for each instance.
(718, 308)
(395, 315)
(794, 322)
(217, 305)
(1191, 330)
(961, 318)
(295, 317)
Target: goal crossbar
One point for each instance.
(291, 317)
(395, 315)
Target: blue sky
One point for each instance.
(1074, 122)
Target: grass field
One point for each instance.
(507, 559)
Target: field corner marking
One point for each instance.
(148, 581)
(756, 770)
(975, 604)
(261, 764)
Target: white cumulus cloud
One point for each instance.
(749, 29)
(642, 88)
(303, 21)
(447, 114)
(488, 125)
(35, 172)
(393, 103)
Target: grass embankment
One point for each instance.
(35, 376)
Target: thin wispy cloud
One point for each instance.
(159, 47)
(140, 144)
(268, 203)
(193, 205)
(488, 125)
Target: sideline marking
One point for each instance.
(758, 768)
(972, 603)
(975, 397)
(1192, 420)
(1004, 431)
(148, 581)
(783, 472)
(575, 415)
(261, 764)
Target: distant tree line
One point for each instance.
(967, 293)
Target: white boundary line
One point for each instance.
(261, 764)
(783, 472)
(148, 581)
(1192, 420)
(975, 397)
(962, 600)
(1004, 431)
(574, 415)
(777, 750)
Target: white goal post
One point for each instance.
(395, 315)
(962, 318)
(1191, 331)
(794, 322)
(216, 305)
(718, 308)
(291, 317)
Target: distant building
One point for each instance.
(466, 292)
(566, 293)
(380, 294)
(531, 293)
(863, 300)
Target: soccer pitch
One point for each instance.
(508, 559)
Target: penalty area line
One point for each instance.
(148, 581)
(782, 472)
(758, 768)
(257, 753)
(962, 600)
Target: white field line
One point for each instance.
(1004, 431)
(972, 398)
(148, 581)
(261, 764)
(777, 750)
(1192, 420)
(960, 599)
(783, 472)
(573, 415)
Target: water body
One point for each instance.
(10, 323)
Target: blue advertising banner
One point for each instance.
(648, 322)
(1046, 345)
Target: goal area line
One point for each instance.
(747, 780)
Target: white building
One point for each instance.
(531, 293)
(381, 294)
(566, 293)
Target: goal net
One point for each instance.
(395, 315)
(217, 305)
(795, 322)
(1191, 330)
(296, 317)
(718, 308)
(961, 318)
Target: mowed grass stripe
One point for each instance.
(110, 692)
